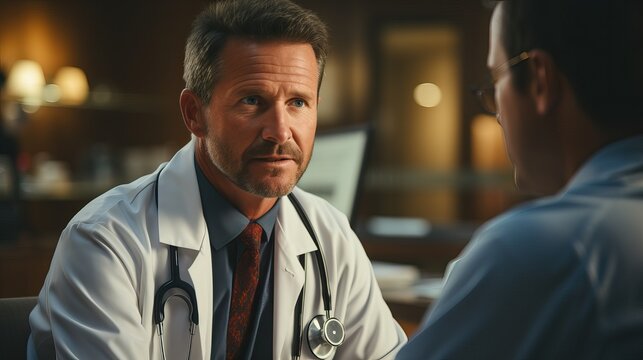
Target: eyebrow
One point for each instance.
(290, 91)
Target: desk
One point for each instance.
(430, 254)
(409, 313)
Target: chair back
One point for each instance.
(14, 326)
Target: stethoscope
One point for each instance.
(324, 333)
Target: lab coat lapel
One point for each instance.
(201, 274)
(292, 240)
(181, 223)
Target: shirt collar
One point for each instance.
(612, 161)
(224, 221)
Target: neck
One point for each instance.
(582, 138)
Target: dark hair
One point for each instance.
(253, 19)
(597, 44)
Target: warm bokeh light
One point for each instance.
(51, 93)
(487, 144)
(26, 81)
(73, 85)
(427, 95)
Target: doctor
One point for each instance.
(252, 71)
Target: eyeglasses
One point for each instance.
(486, 94)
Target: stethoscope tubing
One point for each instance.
(187, 293)
(321, 263)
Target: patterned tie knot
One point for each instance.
(251, 236)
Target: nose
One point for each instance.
(276, 127)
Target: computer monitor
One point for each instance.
(336, 169)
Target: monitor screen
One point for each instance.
(335, 170)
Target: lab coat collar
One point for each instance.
(181, 221)
(296, 239)
(181, 224)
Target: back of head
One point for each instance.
(597, 44)
(261, 20)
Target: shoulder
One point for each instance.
(537, 241)
(555, 225)
(113, 231)
(114, 217)
(123, 199)
(534, 247)
(548, 223)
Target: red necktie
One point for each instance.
(246, 277)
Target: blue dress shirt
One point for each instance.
(225, 223)
(556, 278)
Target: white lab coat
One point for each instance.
(98, 296)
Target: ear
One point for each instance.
(545, 84)
(191, 109)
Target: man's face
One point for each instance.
(261, 120)
(530, 137)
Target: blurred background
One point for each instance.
(90, 100)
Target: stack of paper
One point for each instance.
(395, 276)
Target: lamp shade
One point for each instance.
(73, 86)
(26, 81)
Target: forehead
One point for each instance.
(269, 60)
(497, 54)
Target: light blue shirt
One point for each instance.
(557, 278)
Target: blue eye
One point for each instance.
(250, 100)
(299, 103)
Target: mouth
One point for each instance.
(273, 157)
(275, 161)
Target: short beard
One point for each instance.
(264, 190)
(222, 157)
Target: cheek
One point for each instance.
(303, 129)
(308, 139)
(504, 111)
(510, 120)
(503, 97)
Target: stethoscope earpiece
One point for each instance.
(324, 335)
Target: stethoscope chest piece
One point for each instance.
(324, 335)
